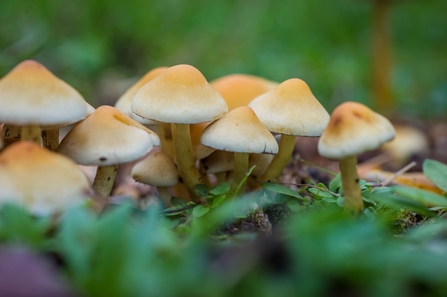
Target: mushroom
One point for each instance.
(239, 89)
(32, 97)
(107, 138)
(353, 129)
(290, 110)
(40, 180)
(241, 132)
(157, 169)
(219, 163)
(181, 96)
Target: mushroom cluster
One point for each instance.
(207, 133)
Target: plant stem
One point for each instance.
(281, 159)
(104, 179)
(351, 187)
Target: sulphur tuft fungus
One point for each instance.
(290, 110)
(107, 138)
(352, 130)
(241, 132)
(180, 96)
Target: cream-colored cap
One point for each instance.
(240, 131)
(262, 162)
(180, 95)
(108, 137)
(125, 101)
(291, 109)
(156, 169)
(31, 95)
(239, 89)
(354, 129)
(40, 180)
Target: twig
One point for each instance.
(400, 172)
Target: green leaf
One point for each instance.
(335, 183)
(218, 201)
(221, 189)
(277, 188)
(169, 223)
(201, 190)
(397, 202)
(320, 193)
(424, 197)
(293, 205)
(178, 201)
(200, 211)
(436, 172)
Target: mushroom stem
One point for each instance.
(165, 134)
(31, 133)
(165, 196)
(11, 134)
(50, 139)
(350, 181)
(240, 170)
(104, 179)
(184, 157)
(280, 160)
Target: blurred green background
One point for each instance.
(102, 46)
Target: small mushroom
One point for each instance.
(107, 138)
(157, 169)
(40, 180)
(241, 132)
(353, 129)
(290, 110)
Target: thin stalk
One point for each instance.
(31, 133)
(104, 179)
(240, 171)
(50, 139)
(351, 187)
(281, 159)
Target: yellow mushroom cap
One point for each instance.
(156, 169)
(180, 95)
(240, 131)
(108, 137)
(291, 109)
(239, 89)
(31, 95)
(39, 179)
(125, 101)
(354, 129)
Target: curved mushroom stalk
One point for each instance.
(281, 159)
(104, 179)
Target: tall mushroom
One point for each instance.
(241, 132)
(353, 129)
(180, 96)
(290, 110)
(107, 138)
(32, 97)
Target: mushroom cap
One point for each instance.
(262, 162)
(125, 101)
(156, 169)
(291, 109)
(40, 180)
(354, 129)
(200, 151)
(219, 161)
(239, 89)
(108, 137)
(240, 131)
(180, 95)
(31, 95)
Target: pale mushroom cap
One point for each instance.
(262, 162)
(291, 109)
(31, 95)
(354, 129)
(180, 95)
(219, 161)
(108, 137)
(239, 89)
(200, 151)
(125, 101)
(157, 169)
(240, 131)
(39, 179)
